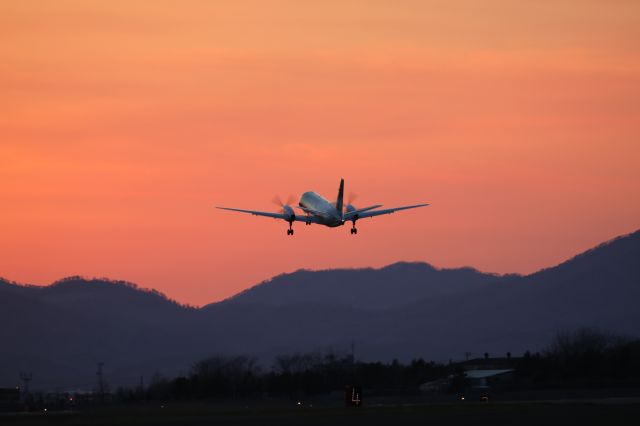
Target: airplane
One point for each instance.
(318, 210)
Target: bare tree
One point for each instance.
(568, 344)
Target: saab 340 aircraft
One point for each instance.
(317, 209)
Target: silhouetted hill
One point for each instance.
(60, 332)
(389, 287)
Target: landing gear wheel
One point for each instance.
(354, 230)
(289, 231)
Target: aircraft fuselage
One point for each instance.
(325, 211)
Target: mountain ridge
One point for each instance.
(403, 310)
(82, 280)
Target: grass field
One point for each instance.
(520, 414)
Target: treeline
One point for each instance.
(292, 375)
(584, 358)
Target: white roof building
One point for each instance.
(479, 378)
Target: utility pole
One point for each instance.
(141, 385)
(101, 385)
(26, 378)
(353, 360)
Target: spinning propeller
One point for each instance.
(287, 210)
(283, 206)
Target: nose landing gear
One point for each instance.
(290, 230)
(354, 230)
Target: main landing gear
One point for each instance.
(354, 230)
(290, 230)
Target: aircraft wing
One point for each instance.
(387, 211)
(301, 218)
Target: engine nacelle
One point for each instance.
(351, 208)
(289, 213)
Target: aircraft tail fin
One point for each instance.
(339, 201)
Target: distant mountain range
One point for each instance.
(405, 310)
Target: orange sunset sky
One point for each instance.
(122, 123)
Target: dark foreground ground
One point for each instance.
(606, 412)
